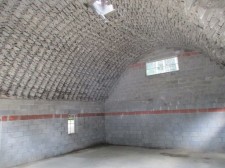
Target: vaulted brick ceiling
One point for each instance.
(60, 49)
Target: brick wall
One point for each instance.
(60, 50)
(33, 130)
(183, 109)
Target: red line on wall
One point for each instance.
(177, 111)
(64, 116)
(57, 115)
(90, 114)
(137, 65)
(157, 112)
(191, 53)
(4, 118)
(31, 117)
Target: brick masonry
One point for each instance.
(62, 50)
(33, 130)
(183, 109)
(192, 131)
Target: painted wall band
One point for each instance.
(51, 116)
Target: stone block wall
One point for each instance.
(33, 130)
(203, 131)
(183, 109)
(62, 50)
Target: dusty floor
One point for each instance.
(132, 157)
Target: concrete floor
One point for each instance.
(132, 157)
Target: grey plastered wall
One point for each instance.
(31, 140)
(199, 84)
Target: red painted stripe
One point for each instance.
(178, 111)
(191, 53)
(49, 116)
(90, 114)
(4, 118)
(14, 118)
(137, 65)
(65, 115)
(57, 115)
(216, 110)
